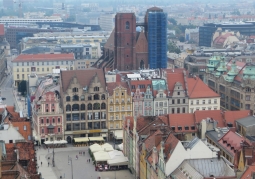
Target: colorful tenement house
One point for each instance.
(160, 97)
(177, 90)
(148, 102)
(119, 106)
(48, 117)
(84, 99)
(233, 80)
(138, 102)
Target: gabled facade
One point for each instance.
(160, 97)
(138, 103)
(148, 103)
(48, 117)
(177, 90)
(85, 103)
(119, 105)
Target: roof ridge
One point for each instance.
(194, 85)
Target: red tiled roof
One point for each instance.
(136, 83)
(110, 41)
(2, 29)
(44, 57)
(118, 78)
(233, 139)
(111, 86)
(84, 77)
(173, 78)
(221, 39)
(143, 121)
(153, 140)
(248, 172)
(232, 116)
(198, 89)
(216, 115)
(182, 120)
(170, 144)
(10, 154)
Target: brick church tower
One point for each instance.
(125, 41)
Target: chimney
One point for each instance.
(162, 147)
(218, 154)
(17, 153)
(154, 156)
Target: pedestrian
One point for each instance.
(41, 163)
(48, 163)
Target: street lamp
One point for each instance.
(70, 161)
(53, 152)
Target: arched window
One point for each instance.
(127, 25)
(96, 106)
(68, 98)
(89, 97)
(53, 120)
(103, 97)
(103, 106)
(96, 97)
(82, 106)
(75, 98)
(68, 107)
(96, 88)
(75, 89)
(89, 106)
(75, 107)
(82, 98)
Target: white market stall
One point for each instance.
(118, 161)
(120, 146)
(101, 156)
(107, 147)
(95, 148)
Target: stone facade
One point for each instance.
(234, 81)
(84, 103)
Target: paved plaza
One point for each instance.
(81, 168)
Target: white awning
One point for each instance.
(107, 147)
(118, 134)
(95, 148)
(115, 154)
(101, 156)
(81, 139)
(96, 139)
(118, 161)
(48, 142)
(120, 146)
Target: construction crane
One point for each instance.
(20, 2)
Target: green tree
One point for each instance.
(181, 39)
(172, 48)
(173, 21)
(22, 88)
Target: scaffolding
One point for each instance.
(157, 39)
